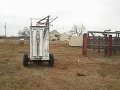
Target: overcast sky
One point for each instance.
(94, 14)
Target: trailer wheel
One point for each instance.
(51, 61)
(25, 60)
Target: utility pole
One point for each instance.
(5, 31)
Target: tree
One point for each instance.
(25, 32)
(77, 30)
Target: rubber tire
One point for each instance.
(51, 61)
(25, 60)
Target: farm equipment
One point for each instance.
(39, 42)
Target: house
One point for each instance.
(64, 37)
(76, 41)
(54, 35)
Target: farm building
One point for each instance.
(64, 37)
(76, 41)
(54, 35)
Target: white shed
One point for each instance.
(76, 41)
(64, 37)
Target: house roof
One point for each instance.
(64, 33)
(55, 32)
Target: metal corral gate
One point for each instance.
(108, 41)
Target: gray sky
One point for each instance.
(94, 14)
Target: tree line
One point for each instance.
(76, 30)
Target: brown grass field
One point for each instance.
(94, 72)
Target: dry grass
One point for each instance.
(93, 72)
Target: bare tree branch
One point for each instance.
(25, 32)
(77, 30)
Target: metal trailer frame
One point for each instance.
(39, 42)
(109, 42)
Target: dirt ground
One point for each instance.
(72, 71)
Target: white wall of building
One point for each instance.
(64, 37)
(76, 41)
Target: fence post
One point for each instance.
(99, 44)
(110, 46)
(84, 49)
(106, 43)
(94, 42)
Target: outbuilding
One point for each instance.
(76, 41)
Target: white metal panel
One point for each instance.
(38, 41)
(31, 43)
(34, 45)
(48, 37)
(47, 41)
(41, 43)
(46, 45)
